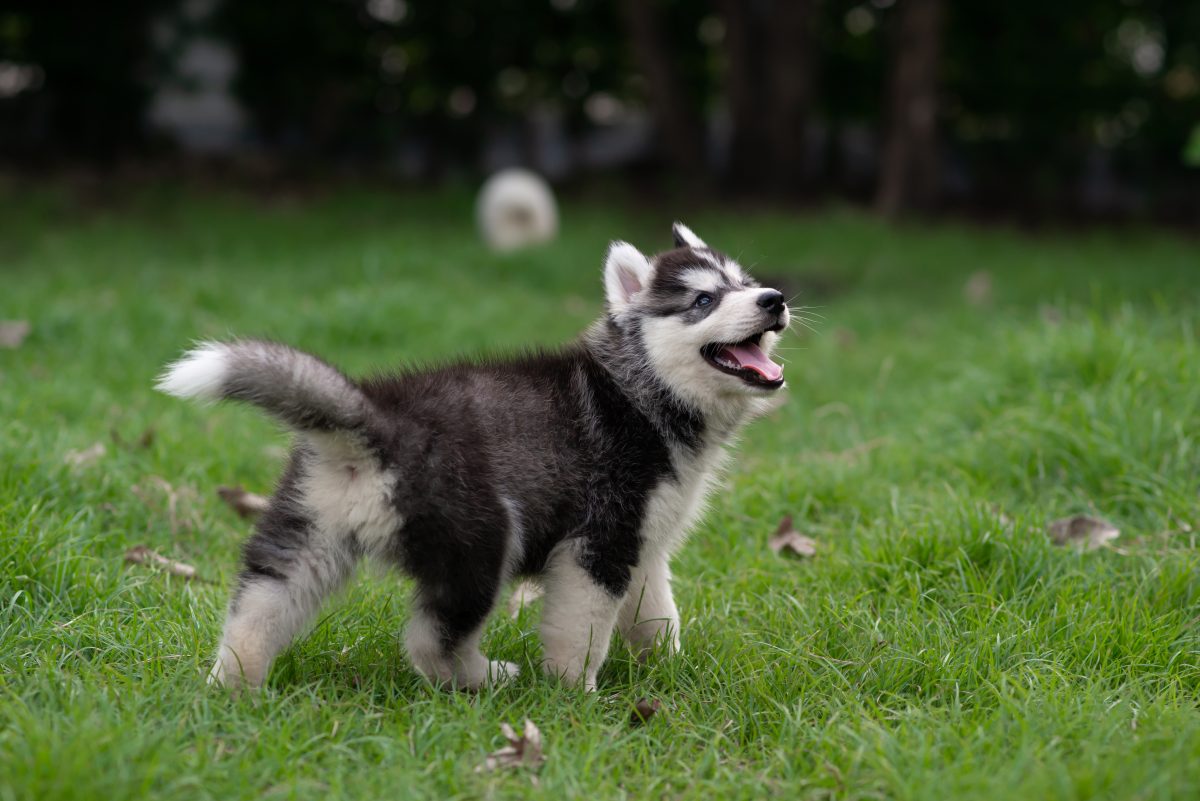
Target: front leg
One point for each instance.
(648, 615)
(578, 616)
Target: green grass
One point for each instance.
(938, 647)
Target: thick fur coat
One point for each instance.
(585, 467)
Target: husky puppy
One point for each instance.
(583, 466)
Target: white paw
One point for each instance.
(227, 677)
(645, 648)
(572, 675)
(216, 676)
(501, 672)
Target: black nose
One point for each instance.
(771, 300)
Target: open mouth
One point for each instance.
(746, 360)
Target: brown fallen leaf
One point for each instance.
(1082, 531)
(245, 503)
(522, 596)
(86, 456)
(643, 710)
(787, 538)
(523, 751)
(142, 555)
(13, 333)
(978, 289)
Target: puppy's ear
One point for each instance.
(626, 272)
(684, 238)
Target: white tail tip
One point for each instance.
(200, 373)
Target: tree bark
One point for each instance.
(749, 165)
(680, 126)
(770, 88)
(791, 77)
(910, 171)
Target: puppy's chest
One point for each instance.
(676, 503)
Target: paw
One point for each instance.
(475, 674)
(490, 674)
(216, 676)
(662, 642)
(236, 674)
(572, 675)
(227, 677)
(501, 672)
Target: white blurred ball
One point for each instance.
(515, 209)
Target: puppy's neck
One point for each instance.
(618, 348)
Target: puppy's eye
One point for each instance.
(703, 299)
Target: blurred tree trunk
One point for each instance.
(770, 88)
(791, 70)
(910, 171)
(680, 126)
(749, 147)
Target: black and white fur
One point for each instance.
(583, 466)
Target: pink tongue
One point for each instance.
(752, 357)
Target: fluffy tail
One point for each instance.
(302, 391)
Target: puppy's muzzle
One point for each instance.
(771, 302)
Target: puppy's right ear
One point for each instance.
(626, 273)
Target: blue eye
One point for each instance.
(703, 299)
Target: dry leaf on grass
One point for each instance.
(523, 595)
(86, 456)
(978, 289)
(786, 538)
(13, 333)
(141, 555)
(643, 710)
(523, 751)
(246, 504)
(1082, 531)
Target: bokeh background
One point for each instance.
(1028, 109)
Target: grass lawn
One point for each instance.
(937, 647)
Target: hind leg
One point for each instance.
(459, 569)
(448, 656)
(444, 633)
(286, 577)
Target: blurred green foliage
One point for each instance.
(1191, 153)
(1032, 91)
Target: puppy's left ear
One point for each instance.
(626, 272)
(684, 238)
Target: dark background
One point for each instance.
(1036, 109)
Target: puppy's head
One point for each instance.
(707, 327)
